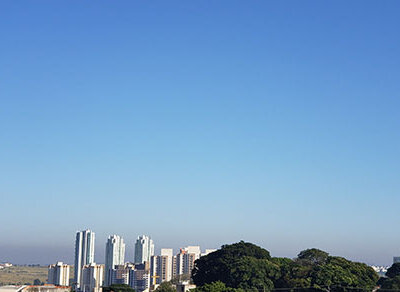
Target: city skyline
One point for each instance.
(98, 256)
(200, 123)
(90, 276)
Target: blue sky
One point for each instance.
(200, 122)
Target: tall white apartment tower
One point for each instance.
(84, 253)
(144, 249)
(115, 255)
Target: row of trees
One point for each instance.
(246, 267)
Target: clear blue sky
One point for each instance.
(200, 122)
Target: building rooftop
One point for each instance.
(12, 288)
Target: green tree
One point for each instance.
(313, 256)
(336, 273)
(391, 284)
(249, 272)
(361, 274)
(118, 288)
(37, 282)
(218, 265)
(179, 278)
(293, 274)
(165, 287)
(393, 271)
(216, 287)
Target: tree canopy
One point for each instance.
(249, 267)
(392, 282)
(313, 256)
(393, 271)
(118, 288)
(165, 287)
(232, 265)
(216, 287)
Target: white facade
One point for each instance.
(92, 278)
(185, 259)
(161, 267)
(183, 262)
(115, 255)
(84, 253)
(184, 286)
(58, 274)
(208, 251)
(144, 249)
(193, 249)
(167, 264)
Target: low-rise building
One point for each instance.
(58, 274)
(92, 278)
(184, 286)
(35, 288)
(120, 273)
(139, 277)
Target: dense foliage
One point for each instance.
(216, 287)
(118, 288)
(392, 280)
(230, 264)
(245, 266)
(165, 287)
(393, 271)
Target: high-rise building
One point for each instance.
(115, 255)
(58, 274)
(174, 266)
(144, 249)
(161, 266)
(193, 249)
(184, 260)
(92, 278)
(188, 264)
(84, 253)
(179, 260)
(166, 264)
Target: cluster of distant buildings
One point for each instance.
(381, 270)
(145, 273)
(5, 265)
